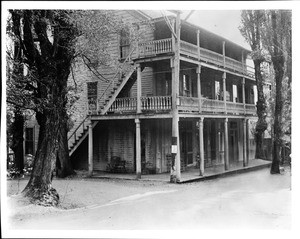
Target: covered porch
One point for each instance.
(191, 174)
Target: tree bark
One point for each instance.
(261, 107)
(17, 129)
(63, 163)
(39, 189)
(278, 63)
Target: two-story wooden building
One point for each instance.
(184, 96)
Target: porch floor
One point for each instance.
(191, 174)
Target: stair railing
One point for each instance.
(77, 128)
(116, 74)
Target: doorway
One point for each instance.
(186, 145)
(233, 142)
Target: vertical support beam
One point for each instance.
(90, 153)
(175, 173)
(138, 148)
(248, 141)
(199, 86)
(226, 163)
(224, 91)
(245, 163)
(244, 96)
(173, 37)
(139, 88)
(198, 44)
(175, 64)
(224, 54)
(201, 146)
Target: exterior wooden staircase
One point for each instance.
(115, 90)
(111, 93)
(78, 135)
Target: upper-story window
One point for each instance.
(92, 95)
(124, 43)
(186, 83)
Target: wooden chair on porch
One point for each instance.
(116, 165)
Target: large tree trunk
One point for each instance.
(63, 163)
(17, 129)
(278, 63)
(261, 124)
(39, 189)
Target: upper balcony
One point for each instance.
(164, 46)
(163, 104)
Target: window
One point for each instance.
(168, 85)
(29, 141)
(124, 43)
(186, 85)
(217, 90)
(234, 93)
(92, 95)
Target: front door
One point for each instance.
(233, 142)
(186, 138)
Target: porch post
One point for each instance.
(244, 97)
(175, 172)
(139, 89)
(248, 141)
(224, 91)
(201, 146)
(245, 143)
(199, 86)
(198, 44)
(224, 54)
(138, 148)
(226, 163)
(243, 62)
(90, 152)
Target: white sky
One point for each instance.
(222, 22)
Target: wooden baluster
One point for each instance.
(147, 103)
(158, 102)
(152, 103)
(130, 103)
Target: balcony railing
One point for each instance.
(157, 47)
(156, 103)
(212, 106)
(235, 108)
(150, 103)
(250, 109)
(186, 104)
(123, 105)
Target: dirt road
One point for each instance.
(254, 200)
